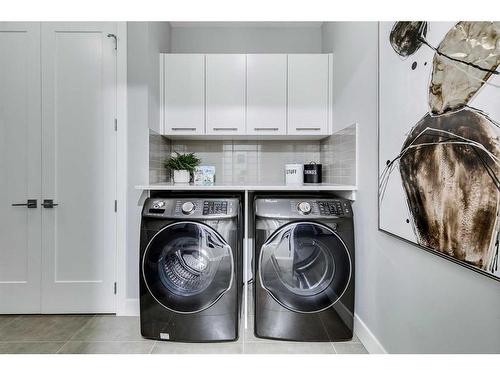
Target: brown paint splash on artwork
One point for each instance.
(451, 185)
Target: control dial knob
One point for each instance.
(304, 207)
(187, 207)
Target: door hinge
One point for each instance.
(114, 288)
(116, 205)
(115, 38)
(116, 125)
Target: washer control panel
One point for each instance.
(214, 207)
(303, 207)
(191, 208)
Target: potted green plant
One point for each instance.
(183, 166)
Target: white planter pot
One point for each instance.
(181, 176)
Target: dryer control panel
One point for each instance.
(302, 207)
(333, 208)
(193, 208)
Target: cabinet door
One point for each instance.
(79, 167)
(225, 94)
(266, 94)
(20, 131)
(308, 94)
(183, 94)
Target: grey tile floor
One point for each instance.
(107, 334)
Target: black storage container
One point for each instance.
(312, 173)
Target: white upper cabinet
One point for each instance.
(308, 94)
(183, 94)
(225, 94)
(271, 96)
(266, 94)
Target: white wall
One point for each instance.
(246, 39)
(145, 41)
(411, 300)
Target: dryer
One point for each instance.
(304, 268)
(190, 269)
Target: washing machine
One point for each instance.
(304, 268)
(190, 268)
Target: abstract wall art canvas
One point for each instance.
(439, 138)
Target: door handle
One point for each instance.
(49, 203)
(30, 203)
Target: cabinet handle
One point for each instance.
(231, 129)
(305, 129)
(30, 203)
(186, 129)
(267, 129)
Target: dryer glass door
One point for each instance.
(305, 267)
(187, 267)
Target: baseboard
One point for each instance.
(130, 307)
(367, 337)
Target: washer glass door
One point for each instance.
(187, 267)
(305, 266)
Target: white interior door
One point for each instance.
(78, 163)
(225, 93)
(184, 93)
(308, 94)
(20, 252)
(266, 93)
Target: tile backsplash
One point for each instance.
(338, 156)
(159, 148)
(247, 162)
(260, 161)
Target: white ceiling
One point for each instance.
(272, 24)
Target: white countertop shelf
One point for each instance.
(349, 190)
(253, 187)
